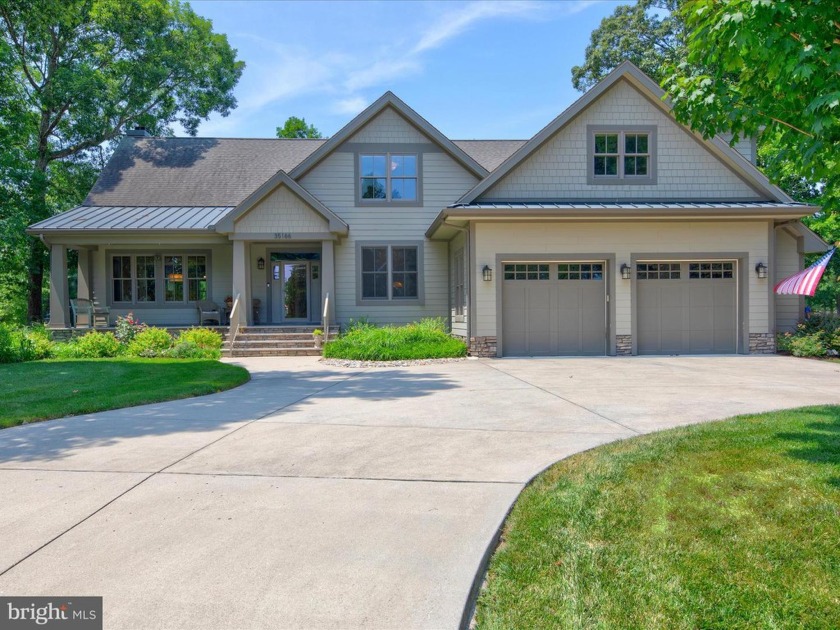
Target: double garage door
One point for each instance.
(560, 308)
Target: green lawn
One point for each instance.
(51, 389)
(733, 524)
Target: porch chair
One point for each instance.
(208, 311)
(84, 308)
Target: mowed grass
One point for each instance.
(51, 389)
(423, 340)
(734, 524)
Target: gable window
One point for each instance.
(621, 156)
(388, 177)
(389, 272)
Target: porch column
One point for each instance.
(327, 280)
(240, 280)
(59, 291)
(85, 280)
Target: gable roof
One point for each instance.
(489, 153)
(226, 224)
(638, 79)
(193, 171)
(389, 99)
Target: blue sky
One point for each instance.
(473, 69)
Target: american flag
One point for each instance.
(805, 282)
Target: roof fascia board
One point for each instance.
(389, 99)
(622, 214)
(656, 95)
(226, 224)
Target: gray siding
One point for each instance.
(444, 181)
(558, 170)
(788, 262)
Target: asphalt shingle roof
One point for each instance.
(220, 171)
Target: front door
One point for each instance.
(290, 291)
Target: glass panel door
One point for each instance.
(295, 295)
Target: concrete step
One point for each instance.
(274, 343)
(284, 329)
(251, 336)
(274, 352)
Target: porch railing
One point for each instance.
(234, 320)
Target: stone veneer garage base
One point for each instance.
(760, 343)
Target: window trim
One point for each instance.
(459, 285)
(160, 289)
(620, 179)
(388, 152)
(420, 300)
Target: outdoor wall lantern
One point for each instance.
(260, 263)
(487, 273)
(625, 271)
(761, 270)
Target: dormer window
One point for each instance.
(388, 177)
(622, 155)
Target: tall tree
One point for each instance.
(85, 69)
(295, 127)
(648, 33)
(766, 67)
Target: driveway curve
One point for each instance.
(323, 497)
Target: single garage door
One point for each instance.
(554, 309)
(686, 307)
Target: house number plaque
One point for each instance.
(279, 235)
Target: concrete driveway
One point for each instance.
(319, 497)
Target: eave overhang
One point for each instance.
(444, 225)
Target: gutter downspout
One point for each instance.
(468, 256)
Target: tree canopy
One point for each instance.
(79, 72)
(770, 68)
(647, 33)
(295, 127)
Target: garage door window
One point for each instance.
(526, 272)
(658, 271)
(710, 270)
(582, 271)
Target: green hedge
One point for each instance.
(426, 339)
(132, 339)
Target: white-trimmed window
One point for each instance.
(388, 177)
(389, 272)
(146, 278)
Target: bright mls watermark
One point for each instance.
(70, 613)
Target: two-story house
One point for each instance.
(614, 230)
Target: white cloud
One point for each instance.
(350, 106)
(453, 23)
(289, 72)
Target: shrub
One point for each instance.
(422, 340)
(95, 345)
(42, 341)
(151, 342)
(815, 337)
(191, 350)
(812, 345)
(127, 328)
(204, 338)
(15, 347)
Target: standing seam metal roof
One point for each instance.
(135, 218)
